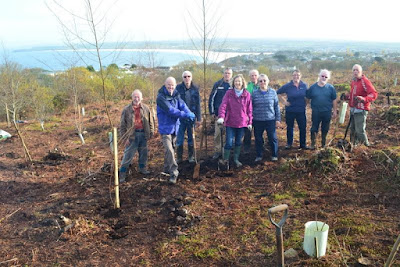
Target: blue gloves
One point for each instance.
(191, 116)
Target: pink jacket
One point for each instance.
(237, 112)
(364, 88)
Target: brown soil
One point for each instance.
(218, 220)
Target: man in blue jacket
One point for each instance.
(170, 108)
(189, 93)
(214, 101)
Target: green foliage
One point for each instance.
(90, 68)
(342, 87)
(60, 102)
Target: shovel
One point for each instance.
(279, 234)
(343, 143)
(222, 164)
(196, 171)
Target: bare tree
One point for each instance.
(203, 30)
(15, 94)
(85, 31)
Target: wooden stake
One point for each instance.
(8, 117)
(116, 180)
(396, 245)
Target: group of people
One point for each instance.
(238, 108)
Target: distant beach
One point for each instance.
(62, 59)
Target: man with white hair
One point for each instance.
(361, 95)
(137, 126)
(190, 94)
(170, 110)
(323, 106)
(251, 87)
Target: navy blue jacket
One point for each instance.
(216, 96)
(194, 104)
(169, 110)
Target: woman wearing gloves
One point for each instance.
(236, 113)
(266, 117)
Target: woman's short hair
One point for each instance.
(264, 76)
(240, 76)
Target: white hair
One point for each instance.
(328, 73)
(255, 71)
(264, 76)
(186, 72)
(358, 66)
(138, 92)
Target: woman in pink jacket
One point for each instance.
(235, 112)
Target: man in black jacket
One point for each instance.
(216, 96)
(189, 93)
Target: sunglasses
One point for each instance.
(186, 76)
(326, 77)
(260, 81)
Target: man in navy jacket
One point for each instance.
(189, 93)
(170, 108)
(215, 100)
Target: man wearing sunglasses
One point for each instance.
(323, 106)
(189, 93)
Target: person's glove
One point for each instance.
(220, 121)
(191, 116)
(249, 127)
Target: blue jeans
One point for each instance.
(301, 119)
(323, 118)
(183, 127)
(231, 133)
(270, 127)
(138, 143)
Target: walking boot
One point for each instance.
(313, 137)
(225, 158)
(236, 157)
(179, 153)
(323, 139)
(190, 152)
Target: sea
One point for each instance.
(61, 59)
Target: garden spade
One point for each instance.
(222, 164)
(196, 171)
(279, 234)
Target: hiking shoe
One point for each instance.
(216, 155)
(144, 171)
(172, 179)
(238, 164)
(122, 177)
(305, 147)
(274, 159)
(191, 159)
(258, 159)
(288, 147)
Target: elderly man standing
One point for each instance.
(251, 87)
(170, 110)
(189, 92)
(137, 126)
(361, 95)
(214, 101)
(323, 106)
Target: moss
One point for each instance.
(393, 114)
(326, 160)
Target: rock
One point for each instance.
(202, 188)
(180, 219)
(291, 253)
(364, 261)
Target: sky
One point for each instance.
(30, 23)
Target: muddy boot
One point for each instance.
(122, 175)
(236, 157)
(225, 159)
(323, 139)
(313, 138)
(179, 153)
(190, 152)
